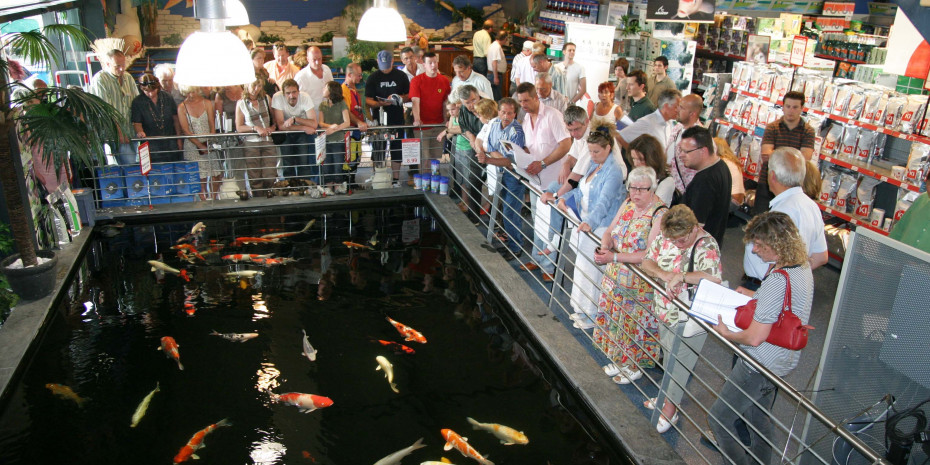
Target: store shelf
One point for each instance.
(845, 217)
(726, 123)
(729, 56)
(758, 96)
(876, 172)
(847, 60)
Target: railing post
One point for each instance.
(559, 262)
(495, 207)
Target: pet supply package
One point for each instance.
(847, 187)
(894, 110)
(841, 99)
(735, 140)
(764, 87)
(906, 198)
(865, 196)
(744, 112)
(917, 163)
(829, 185)
(745, 78)
(816, 121)
(829, 96)
(831, 142)
(912, 114)
(848, 145)
(870, 106)
(878, 148)
(750, 164)
(755, 155)
(750, 121)
(865, 145)
(732, 110)
(856, 103)
(762, 116)
(878, 118)
(780, 86)
(813, 92)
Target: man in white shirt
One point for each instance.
(464, 74)
(786, 173)
(409, 59)
(549, 96)
(314, 77)
(520, 70)
(295, 111)
(575, 80)
(656, 123)
(689, 114)
(497, 63)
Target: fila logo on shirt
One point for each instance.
(389, 84)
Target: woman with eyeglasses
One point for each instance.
(646, 150)
(154, 113)
(595, 202)
(681, 256)
(627, 328)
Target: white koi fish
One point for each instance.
(385, 365)
(507, 435)
(282, 235)
(235, 337)
(396, 457)
(157, 265)
(309, 351)
(143, 406)
(249, 274)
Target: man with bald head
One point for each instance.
(480, 42)
(116, 87)
(689, 111)
(314, 77)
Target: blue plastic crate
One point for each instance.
(137, 186)
(160, 200)
(113, 203)
(161, 180)
(186, 178)
(110, 183)
(182, 198)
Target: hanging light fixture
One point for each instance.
(381, 23)
(213, 56)
(236, 14)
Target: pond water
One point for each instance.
(103, 343)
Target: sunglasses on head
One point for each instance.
(149, 84)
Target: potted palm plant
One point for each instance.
(50, 123)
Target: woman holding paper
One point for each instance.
(595, 201)
(774, 238)
(681, 256)
(629, 336)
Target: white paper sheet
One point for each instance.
(712, 299)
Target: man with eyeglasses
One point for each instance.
(117, 88)
(708, 194)
(155, 114)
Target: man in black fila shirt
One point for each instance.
(386, 92)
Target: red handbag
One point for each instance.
(787, 331)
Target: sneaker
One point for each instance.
(578, 316)
(611, 369)
(627, 375)
(583, 325)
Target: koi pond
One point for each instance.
(237, 297)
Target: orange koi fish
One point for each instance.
(395, 346)
(305, 403)
(65, 392)
(239, 241)
(461, 445)
(245, 257)
(188, 248)
(356, 245)
(409, 333)
(272, 261)
(282, 235)
(187, 452)
(170, 348)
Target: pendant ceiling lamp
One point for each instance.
(236, 14)
(381, 23)
(213, 56)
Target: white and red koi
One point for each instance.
(239, 241)
(170, 348)
(409, 333)
(305, 403)
(273, 261)
(245, 257)
(453, 440)
(282, 235)
(188, 249)
(507, 435)
(188, 451)
(157, 265)
(195, 233)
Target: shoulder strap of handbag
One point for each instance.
(691, 288)
(786, 304)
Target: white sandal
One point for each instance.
(611, 370)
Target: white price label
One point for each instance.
(145, 161)
(321, 148)
(410, 150)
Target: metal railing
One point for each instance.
(709, 373)
(235, 167)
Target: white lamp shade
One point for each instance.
(236, 14)
(381, 23)
(213, 59)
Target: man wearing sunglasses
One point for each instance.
(154, 114)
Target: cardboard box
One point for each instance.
(161, 179)
(137, 185)
(110, 183)
(186, 178)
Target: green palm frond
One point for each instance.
(33, 45)
(68, 120)
(72, 31)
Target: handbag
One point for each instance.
(787, 331)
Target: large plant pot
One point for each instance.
(33, 282)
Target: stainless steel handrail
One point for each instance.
(217, 135)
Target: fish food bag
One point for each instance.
(764, 88)
(738, 68)
(780, 86)
(744, 112)
(750, 121)
(865, 145)
(878, 148)
(906, 198)
(894, 110)
(831, 143)
(856, 103)
(722, 131)
(878, 118)
(755, 155)
(829, 185)
(746, 77)
(829, 96)
(735, 141)
(871, 104)
(732, 110)
(912, 114)
(847, 186)
(917, 163)
(816, 123)
(843, 95)
(762, 115)
(865, 196)
(848, 145)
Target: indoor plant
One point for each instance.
(50, 122)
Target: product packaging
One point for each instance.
(894, 110)
(750, 121)
(745, 78)
(912, 114)
(816, 121)
(877, 217)
(846, 193)
(745, 111)
(831, 142)
(906, 198)
(865, 196)
(848, 145)
(765, 83)
(762, 116)
(755, 154)
(813, 92)
(841, 99)
(780, 86)
(752, 166)
(917, 163)
(736, 141)
(865, 145)
(856, 103)
(829, 186)
(878, 118)
(871, 104)
(898, 172)
(829, 96)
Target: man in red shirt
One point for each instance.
(429, 91)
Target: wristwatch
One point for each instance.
(543, 163)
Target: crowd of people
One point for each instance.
(657, 193)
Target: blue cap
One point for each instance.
(385, 60)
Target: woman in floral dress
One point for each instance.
(626, 302)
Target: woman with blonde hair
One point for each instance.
(253, 117)
(195, 115)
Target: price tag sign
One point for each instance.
(798, 50)
(410, 231)
(145, 160)
(410, 150)
(321, 148)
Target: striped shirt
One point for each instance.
(769, 297)
(512, 133)
(778, 134)
(119, 95)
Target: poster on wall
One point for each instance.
(691, 11)
(594, 45)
